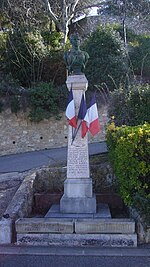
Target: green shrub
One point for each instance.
(8, 86)
(139, 52)
(43, 100)
(12, 94)
(54, 69)
(52, 40)
(24, 55)
(3, 39)
(1, 106)
(15, 104)
(129, 152)
(31, 57)
(130, 106)
(108, 62)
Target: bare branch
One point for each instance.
(50, 12)
(74, 5)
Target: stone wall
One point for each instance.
(18, 134)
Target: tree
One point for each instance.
(61, 12)
(107, 66)
(136, 8)
(65, 11)
(139, 9)
(22, 13)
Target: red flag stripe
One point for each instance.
(94, 127)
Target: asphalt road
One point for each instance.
(30, 160)
(72, 261)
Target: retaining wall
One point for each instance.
(18, 134)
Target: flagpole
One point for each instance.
(75, 133)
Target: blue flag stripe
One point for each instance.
(93, 101)
(70, 98)
(82, 109)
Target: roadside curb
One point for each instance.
(76, 251)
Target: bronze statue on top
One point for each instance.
(75, 59)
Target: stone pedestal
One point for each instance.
(78, 194)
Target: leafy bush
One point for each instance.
(1, 106)
(129, 152)
(3, 38)
(43, 99)
(8, 86)
(54, 69)
(12, 93)
(52, 40)
(43, 102)
(139, 52)
(31, 56)
(130, 106)
(108, 62)
(15, 104)
(24, 55)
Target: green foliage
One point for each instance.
(12, 94)
(8, 86)
(129, 152)
(139, 52)
(43, 102)
(24, 55)
(43, 99)
(52, 40)
(15, 104)
(1, 106)
(54, 69)
(130, 106)
(108, 63)
(129, 8)
(3, 39)
(31, 56)
(142, 204)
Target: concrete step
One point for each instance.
(78, 240)
(44, 225)
(112, 226)
(79, 226)
(76, 232)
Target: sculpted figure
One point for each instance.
(75, 59)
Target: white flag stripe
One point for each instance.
(86, 118)
(70, 110)
(93, 113)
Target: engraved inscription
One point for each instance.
(78, 162)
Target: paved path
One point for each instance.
(30, 160)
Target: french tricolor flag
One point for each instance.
(83, 116)
(70, 110)
(94, 125)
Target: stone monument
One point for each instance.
(75, 221)
(78, 194)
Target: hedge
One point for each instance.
(129, 153)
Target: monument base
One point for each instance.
(78, 188)
(102, 212)
(78, 205)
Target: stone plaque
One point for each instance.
(78, 158)
(78, 162)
